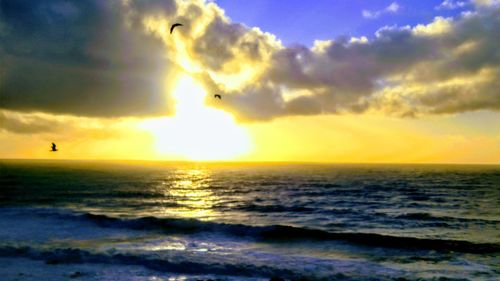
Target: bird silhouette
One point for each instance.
(217, 96)
(53, 147)
(174, 26)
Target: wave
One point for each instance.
(430, 217)
(287, 209)
(80, 256)
(272, 233)
(273, 208)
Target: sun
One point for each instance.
(197, 132)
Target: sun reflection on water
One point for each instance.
(191, 191)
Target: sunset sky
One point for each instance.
(314, 81)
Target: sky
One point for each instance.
(302, 23)
(308, 81)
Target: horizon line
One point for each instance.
(250, 162)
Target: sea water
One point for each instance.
(61, 220)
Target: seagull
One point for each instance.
(174, 26)
(217, 96)
(53, 147)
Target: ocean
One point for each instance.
(84, 220)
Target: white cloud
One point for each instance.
(394, 7)
(451, 5)
(391, 9)
(440, 25)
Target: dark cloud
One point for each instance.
(80, 57)
(463, 97)
(214, 50)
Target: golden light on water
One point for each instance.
(197, 132)
(191, 191)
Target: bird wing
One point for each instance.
(174, 26)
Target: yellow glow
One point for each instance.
(465, 138)
(197, 132)
(191, 191)
(374, 139)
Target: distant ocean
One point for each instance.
(62, 220)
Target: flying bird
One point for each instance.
(217, 96)
(53, 147)
(174, 26)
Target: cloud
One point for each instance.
(79, 57)
(67, 127)
(31, 124)
(456, 4)
(486, 3)
(391, 9)
(451, 5)
(446, 66)
(439, 26)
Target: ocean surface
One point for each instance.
(62, 220)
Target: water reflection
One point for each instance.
(190, 190)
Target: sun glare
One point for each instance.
(197, 132)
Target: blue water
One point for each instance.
(191, 221)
